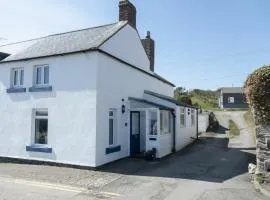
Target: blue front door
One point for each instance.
(134, 132)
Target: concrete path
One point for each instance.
(212, 168)
(246, 137)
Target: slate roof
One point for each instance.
(63, 43)
(170, 99)
(3, 55)
(66, 43)
(147, 104)
(232, 90)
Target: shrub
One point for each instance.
(234, 130)
(257, 90)
(259, 178)
(213, 123)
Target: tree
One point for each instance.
(181, 95)
(179, 91)
(184, 99)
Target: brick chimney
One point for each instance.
(127, 12)
(149, 46)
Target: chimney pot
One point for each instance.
(148, 34)
(127, 12)
(149, 46)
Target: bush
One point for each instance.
(259, 178)
(257, 90)
(213, 123)
(234, 130)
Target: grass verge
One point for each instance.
(234, 130)
(259, 179)
(236, 109)
(251, 125)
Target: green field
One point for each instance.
(206, 99)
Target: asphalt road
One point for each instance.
(17, 189)
(212, 168)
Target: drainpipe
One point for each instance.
(174, 129)
(197, 129)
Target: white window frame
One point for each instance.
(153, 122)
(164, 122)
(35, 116)
(114, 134)
(42, 76)
(182, 116)
(192, 117)
(230, 99)
(19, 79)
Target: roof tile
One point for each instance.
(69, 42)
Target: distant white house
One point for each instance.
(89, 97)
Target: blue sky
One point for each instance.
(199, 43)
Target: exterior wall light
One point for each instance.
(123, 109)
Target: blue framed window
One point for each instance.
(41, 126)
(112, 127)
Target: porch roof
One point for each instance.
(170, 99)
(142, 103)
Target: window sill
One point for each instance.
(16, 90)
(39, 148)
(40, 89)
(113, 149)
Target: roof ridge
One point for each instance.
(83, 29)
(58, 34)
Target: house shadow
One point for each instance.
(208, 159)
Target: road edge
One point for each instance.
(261, 189)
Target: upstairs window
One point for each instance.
(17, 77)
(182, 117)
(41, 75)
(231, 100)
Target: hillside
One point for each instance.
(205, 99)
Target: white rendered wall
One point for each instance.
(71, 110)
(165, 145)
(117, 81)
(126, 45)
(203, 122)
(187, 134)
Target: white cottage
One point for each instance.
(89, 97)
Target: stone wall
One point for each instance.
(263, 151)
